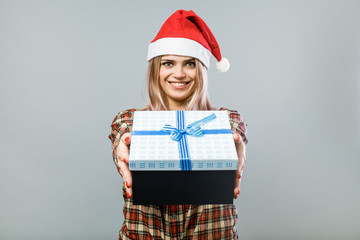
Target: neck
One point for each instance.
(177, 106)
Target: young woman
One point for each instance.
(177, 80)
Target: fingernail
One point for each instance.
(236, 196)
(127, 138)
(126, 183)
(124, 160)
(128, 194)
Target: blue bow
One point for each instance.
(193, 129)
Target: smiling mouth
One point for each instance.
(179, 84)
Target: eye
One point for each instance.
(167, 64)
(190, 64)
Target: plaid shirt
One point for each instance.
(175, 221)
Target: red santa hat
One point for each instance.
(185, 33)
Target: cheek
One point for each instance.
(195, 82)
(194, 86)
(163, 75)
(192, 74)
(161, 83)
(162, 80)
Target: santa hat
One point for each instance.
(185, 33)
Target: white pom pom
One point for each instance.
(223, 65)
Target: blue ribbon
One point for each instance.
(179, 133)
(193, 129)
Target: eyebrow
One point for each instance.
(171, 60)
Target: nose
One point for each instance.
(179, 72)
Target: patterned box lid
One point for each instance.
(170, 141)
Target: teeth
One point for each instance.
(178, 84)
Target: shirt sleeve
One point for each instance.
(121, 124)
(238, 124)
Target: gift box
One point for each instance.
(182, 157)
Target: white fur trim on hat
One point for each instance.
(223, 65)
(179, 46)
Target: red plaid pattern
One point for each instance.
(175, 221)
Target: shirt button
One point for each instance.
(174, 216)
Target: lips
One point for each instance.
(178, 85)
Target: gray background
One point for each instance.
(68, 67)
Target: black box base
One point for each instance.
(183, 187)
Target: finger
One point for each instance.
(126, 138)
(237, 183)
(239, 144)
(121, 165)
(123, 148)
(236, 192)
(129, 192)
(237, 187)
(238, 174)
(122, 156)
(240, 149)
(123, 168)
(238, 139)
(127, 178)
(242, 167)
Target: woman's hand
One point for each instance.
(123, 162)
(241, 152)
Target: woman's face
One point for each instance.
(177, 79)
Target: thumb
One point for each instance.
(126, 138)
(236, 138)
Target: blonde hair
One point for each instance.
(199, 100)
